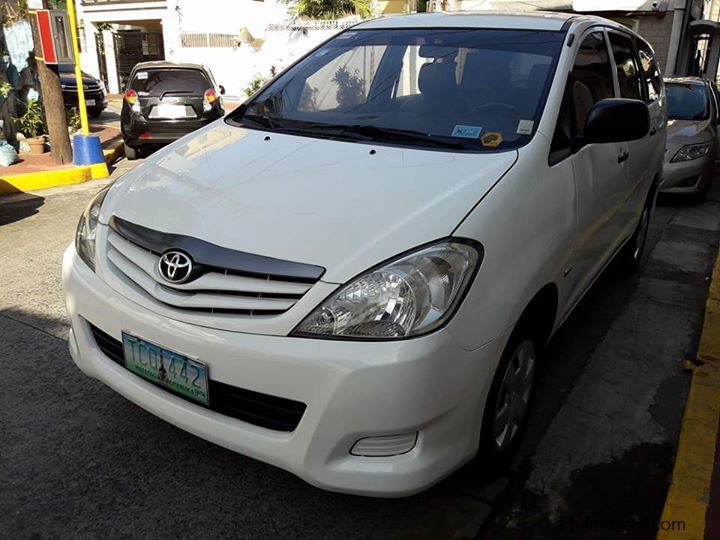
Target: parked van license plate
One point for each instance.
(172, 370)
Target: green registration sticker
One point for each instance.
(172, 370)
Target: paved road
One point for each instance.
(77, 460)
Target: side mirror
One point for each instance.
(222, 90)
(617, 120)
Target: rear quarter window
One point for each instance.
(157, 82)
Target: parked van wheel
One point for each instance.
(631, 254)
(509, 399)
(130, 152)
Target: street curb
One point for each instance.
(34, 181)
(689, 494)
(114, 152)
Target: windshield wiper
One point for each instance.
(390, 134)
(375, 133)
(264, 121)
(362, 132)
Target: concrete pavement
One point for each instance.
(80, 461)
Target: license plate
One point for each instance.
(167, 110)
(90, 102)
(172, 370)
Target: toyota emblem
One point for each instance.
(175, 266)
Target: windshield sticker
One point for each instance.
(467, 132)
(525, 127)
(492, 139)
(141, 75)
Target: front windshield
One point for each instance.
(687, 101)
(473, 89)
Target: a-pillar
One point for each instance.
(713, 58)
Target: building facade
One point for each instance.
(237, 39)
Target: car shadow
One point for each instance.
(16, 205)
(107, 118)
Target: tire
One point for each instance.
(509, 399)
(94, 113)
(130, 152)
(630, 256)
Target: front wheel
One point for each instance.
(631, 254)
(509, 399)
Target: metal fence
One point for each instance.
(205, 39)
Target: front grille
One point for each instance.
(271, 412)
(217, 289)
(92, 88)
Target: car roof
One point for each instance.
(528, 20)
(168, 65)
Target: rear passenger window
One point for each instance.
(590, 81)
(178, 81)
(650, 70)
(627, 68)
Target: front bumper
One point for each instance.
(687, 176)
(71, 100)
(352, 390)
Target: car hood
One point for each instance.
(69, 78)
(688, 131)
(330, 203)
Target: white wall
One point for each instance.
(235, 68)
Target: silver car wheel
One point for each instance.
(514, 395)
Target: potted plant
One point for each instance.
(32, 125)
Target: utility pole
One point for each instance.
(52, 100)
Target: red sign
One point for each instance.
(55, 41)
(46, 38)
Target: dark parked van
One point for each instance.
(95, 94)
(164, 101)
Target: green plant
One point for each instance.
(72, 116)
(5, 89)
(351, 87)
(31, 123)
(258, 80)
(255, 84)
(333, 9)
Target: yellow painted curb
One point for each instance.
(34, 181)
(53, 178)
(114, 152)
(689, 494)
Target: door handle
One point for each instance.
(653, 131)
(623, 156)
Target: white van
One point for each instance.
(353, 275)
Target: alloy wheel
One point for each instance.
(514, 395)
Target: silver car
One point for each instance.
(691, 136)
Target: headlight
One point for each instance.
(407, 296)
(692, 151)
(101, 85)
(86, 229)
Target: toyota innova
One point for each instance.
(353, 275)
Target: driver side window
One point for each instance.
(589, 81)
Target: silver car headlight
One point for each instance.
(692, 151)
(87, 227)
(407, 296)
